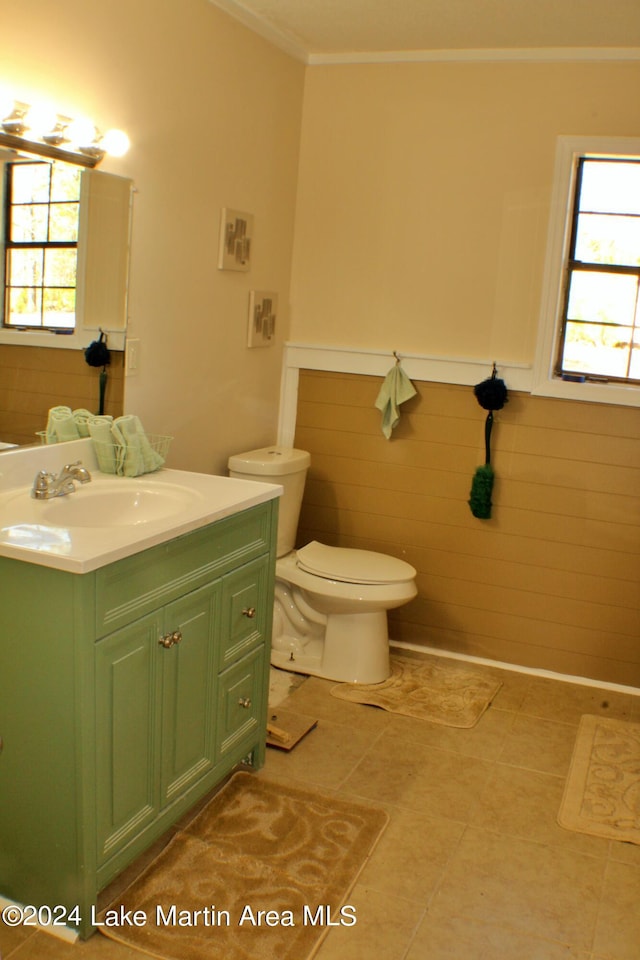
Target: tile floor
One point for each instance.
(472, 865)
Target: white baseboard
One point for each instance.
(516, 668)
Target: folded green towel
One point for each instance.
(135, 455)
(81, 418)
(100, 433)
(61, 425)
(396, 389)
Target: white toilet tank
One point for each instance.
(286, 466)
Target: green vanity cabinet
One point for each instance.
(126, 695)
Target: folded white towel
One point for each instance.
(396, 389)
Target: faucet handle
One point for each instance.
(41, 484)
(77, 471)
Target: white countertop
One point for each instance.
(202, 499)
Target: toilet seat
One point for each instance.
(352, 566)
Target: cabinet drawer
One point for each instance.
(240, 707)
(245, 609)
(135, 586)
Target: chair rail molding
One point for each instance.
(376, 363)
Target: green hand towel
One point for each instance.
(396, 389)
(136, 455)
(100, 433)
(61, 425)
(81, 418)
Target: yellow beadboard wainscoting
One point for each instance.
(550, 581)
(33, 379)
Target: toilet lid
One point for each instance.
(352, 566)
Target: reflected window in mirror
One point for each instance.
(41, 245)
(64, 253)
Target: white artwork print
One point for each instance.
(263, 307)
(236, 232)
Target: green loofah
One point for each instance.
(480, 496)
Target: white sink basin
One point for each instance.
(110, 517)
(117, 503)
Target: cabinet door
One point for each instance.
(188, 671)
(240, 702)
(126, 723)
(244, 611)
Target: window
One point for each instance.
(599, 334)
(589, 339)
(41, 241)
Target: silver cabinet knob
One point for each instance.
(244, 702)
(249, 612)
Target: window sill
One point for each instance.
(589, 391)
(78, 340)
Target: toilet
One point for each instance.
(330, 608)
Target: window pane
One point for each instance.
(610, 186)
(65, 183)
(24, 307)
(59, 308)
(24, 268)
(30, 182)
(63, 223)
(596, 349)
(602, 297)
(59, 268)
(28, 223)
(602, 239)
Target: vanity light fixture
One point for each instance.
(49, 134)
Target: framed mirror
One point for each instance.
(64, 265)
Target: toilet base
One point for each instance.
(354, 649)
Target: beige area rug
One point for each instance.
(257, 846)
(437, 690)
(602, 793)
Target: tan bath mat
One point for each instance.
(434, 689)
(257, 874)
(602, 793)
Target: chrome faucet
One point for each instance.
(46, 485)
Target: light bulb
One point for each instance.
(115, 143)
(82, 133)
(40, 119)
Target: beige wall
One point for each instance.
(421, 223)
(424, 194)
(550, 581)
(213, 113)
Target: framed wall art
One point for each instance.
(236, 232)
(263, 307)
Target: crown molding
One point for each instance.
(512, 55)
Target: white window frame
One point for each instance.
(545, 382)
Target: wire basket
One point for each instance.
(145, 454)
